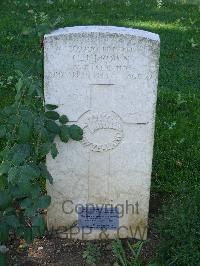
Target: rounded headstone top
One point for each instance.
(105, 29)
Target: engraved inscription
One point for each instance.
(94, 62)
(98, 218)
(102, 131)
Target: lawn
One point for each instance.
(176, 164)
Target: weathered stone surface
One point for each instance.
(105, 80)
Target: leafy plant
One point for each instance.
(92, 254)
(122, 258)
(28, 129)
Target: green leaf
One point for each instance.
(26, 203)
(52, 127)
(3, 182)
(4, 233)
(25, 185)
(6, 155)
(54, 151)
(27, 233)
(27, 117)
(45, 148)
(45, 173)
(22, 151)
(35, 231)
(43, 202)
(39, 128)
(35, 191)
(5, 200)
(13, 173)
(52, 115)
(24, 132)
(10, 110)
(20, 231)
(2, 131)
(51, 106)
(29, 172)
(76, 133)
(13, 221)
(17, 192)
(39, 222)
(64, 133)
(38, 123)
(3, 260)
(9, 211)
(51, 137)
(14, 119)
(30, 212)
(4, 168)
(63, 119)
(44, 134)
(19, 85)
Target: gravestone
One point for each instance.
(105, 80)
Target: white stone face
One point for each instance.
(105, 80)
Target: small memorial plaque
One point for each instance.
(98, 218)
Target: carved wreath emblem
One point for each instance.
(102, 131)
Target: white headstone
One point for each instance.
(105, 80)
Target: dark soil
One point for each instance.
(53, 251)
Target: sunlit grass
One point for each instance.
(155, 25)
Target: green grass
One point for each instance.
(177, 141)
(176, 162)
(179, 229)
